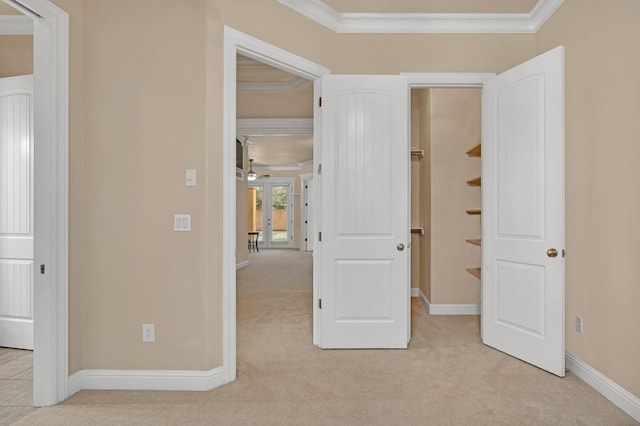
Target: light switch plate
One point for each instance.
(182, 222)
(190, 177)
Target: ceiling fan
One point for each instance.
(251, 176)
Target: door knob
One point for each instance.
(400, 247)
(552, 252)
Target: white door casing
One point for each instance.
(16, 212)
(523, 212)
(364, 269)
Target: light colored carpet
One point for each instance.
(446, 377)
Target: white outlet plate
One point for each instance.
(148, 333)
(579, 324)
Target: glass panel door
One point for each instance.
(272, 224)
(279, 214)
(255, 215)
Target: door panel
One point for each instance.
(365, 212)
(16, 212)
(523, 212)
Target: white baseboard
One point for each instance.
(146, 380)
(453, 309)
(242, 265)
(445, 309)
(625, 400)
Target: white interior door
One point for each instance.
(364, 262)
(523, 212)
(16, 212)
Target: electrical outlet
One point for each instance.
(148, 333)
(579, 324)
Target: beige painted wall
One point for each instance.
(144, 108)
(424, 117)
(298, 104)
(416, 191)
(242, 207)
(602, 187)
(16, 55)
(455, 127)
(145, 122)
(146, 104)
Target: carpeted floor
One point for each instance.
(446, 377)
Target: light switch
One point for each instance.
(182, 223)
(190, 177)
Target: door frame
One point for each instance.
(237, 42)
(51, 199)
(271, 182)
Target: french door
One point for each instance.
(271, 213)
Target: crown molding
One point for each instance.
(325, 15)
(274, 126)
(16, 25)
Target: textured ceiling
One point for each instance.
(432, 6)
(273, 151)
(280, 150)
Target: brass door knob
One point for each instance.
(400, 247)
(552, 252)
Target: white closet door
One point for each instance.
(364, 280)
(523, 212)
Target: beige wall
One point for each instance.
(16, 55)
(424, 116)
(145, 122)
(242, 207)
(602, 188)
(298, 104)
(416, 191)
(146, 104)
(455, 127)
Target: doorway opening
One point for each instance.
(274, 283)
(445, 125)
(50, 27)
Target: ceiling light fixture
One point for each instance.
(251, 176)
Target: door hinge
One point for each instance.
(563, 253)
(320, 101)
(319, 168)
(319, 236)
(42, 269)
(319, 303)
